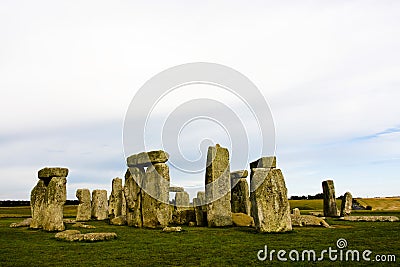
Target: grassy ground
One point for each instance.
(387, 204)
(196, 246)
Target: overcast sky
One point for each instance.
(329, 70)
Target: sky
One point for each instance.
(329, 71)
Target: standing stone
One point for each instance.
(240, 202)
(99, 205)
(269, 203)
(38, 205)
(155, 196)
(200, 208)
(182, 199)
(55, 198)
(117, 203)
(84, 210)
(347, 203)
(330, 207)
(218, 185)
(48, 198)
(133, 195)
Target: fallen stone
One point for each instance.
(218, 186)
(330, 207)
(81, 225)
(69, 221)
(70, 235)
(242, 220)
(264, 162)
(269, 203)
(146, 159)
(370, 218)
(308, 220)
(192, 224)
(84, 210)
(52, 172)
(296, 212)
(172, 229)
(316, 213)
(120, 220)
(75, 235)
(24, 223)
(99, 205)
(347, 203)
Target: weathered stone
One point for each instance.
(264, 162)
(38, 205)
(146, 159)
(172, 229)
(120, 220)
(84, 210)
(24, 223)
(308, 220)
(236, 175)
(133, 196)
(94, 237)
(200, 208)
(52, 172)
(370, 218)
(75, 235)
(117, 202)
(69, 221)
(81, 225)
(55, 198)
(241, 219)
(69, 235)
(182, 216)
(192, 224)
(155, 196)
(176, 189)
(240, 201)
(182, 199)
(296, 212)
(347, 203)
(316, 213)
(218, 185)
(99, 205)
(269, 203)
(330, 207)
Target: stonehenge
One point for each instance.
(142, 199)
(48, 198)
(347, 202)
(330, 207)
(269, 203)
(218, 185)
(240, 201)
(84, 211)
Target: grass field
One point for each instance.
(196, 246)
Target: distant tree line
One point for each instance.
(317, 196)
(19, 203)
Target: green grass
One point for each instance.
(196, 246)
(312, 204)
